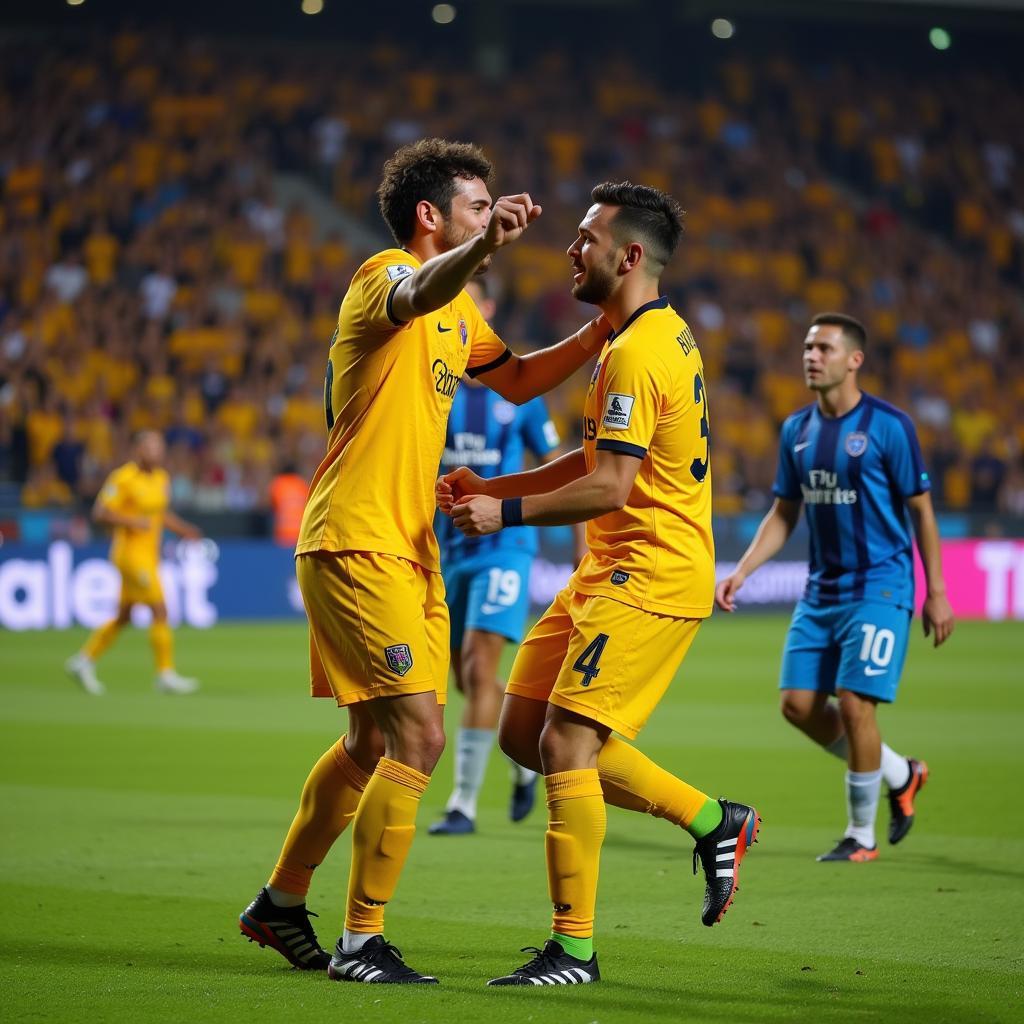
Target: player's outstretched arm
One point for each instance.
(524, 377)
(605, 489)
(177, 525)
(937, 613)
(440, 279)
(771, 535)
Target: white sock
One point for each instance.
(895, 768)
(282, 899)
(862, 805)
(472, 749)
(520, 775)
(352, 942)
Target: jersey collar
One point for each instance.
(661, 303)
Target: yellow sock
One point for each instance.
(101, 639)
(162, 642)
(384, 826)
(633, 781)
(576, 825)
(328, 803)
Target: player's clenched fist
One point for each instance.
(477, 515)
(455, 485)
(509, 219)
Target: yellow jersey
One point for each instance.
(647, 399)
(387, 396)
(133, 491)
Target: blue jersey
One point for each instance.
(854, 474)
(490, 436)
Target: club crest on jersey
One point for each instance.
(399, 658)
(504, 413)
(593, 377)
(463, 332)
(856, 444)
(619, 577)
(397, 273)
(618, 409)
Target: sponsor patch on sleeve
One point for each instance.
(617, 410)
(396, 273)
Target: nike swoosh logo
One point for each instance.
(491, 609)
(801, 447)
(442, 330)
(869, 671)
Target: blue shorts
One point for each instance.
(489, 592)
(857, 647)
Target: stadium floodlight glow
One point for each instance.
(940, 39)
(443, 14)
(312, 6)
(723, 28)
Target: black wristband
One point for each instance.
(511, 511)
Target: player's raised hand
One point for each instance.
(477, 515)
(510, 216)
(937, 618)
(725, 592)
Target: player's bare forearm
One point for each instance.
(549, 477)
(605, 489)
(524, 377)
(771, 535)
(926, 532)
(177, 525)
(439, 280)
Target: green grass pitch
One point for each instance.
(136, 827)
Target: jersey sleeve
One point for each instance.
(113, 494)
(539, 432)
(787, 477)
(378, 278)
(903, 458)
(631, 405)
(486, 350)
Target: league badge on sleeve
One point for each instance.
(463, 333)
(618, 410)
(396, 273)
(399, 658)
(856, 443)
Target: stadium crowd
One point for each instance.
(149, 276)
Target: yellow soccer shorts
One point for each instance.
(140, 582)
(378, 626)
(602, 659)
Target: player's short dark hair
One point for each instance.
(426, 170)
(854, 332)
(645, 214)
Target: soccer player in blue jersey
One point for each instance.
(855, 463)
(486, 580)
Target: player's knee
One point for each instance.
(795, 710)
(427, 740)
(514, 744)
(855, 709)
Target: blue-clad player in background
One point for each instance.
(855, 463)
(486, 580)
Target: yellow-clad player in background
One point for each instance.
(601, 657)
(134, 502)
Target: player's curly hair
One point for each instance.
(646, 215)
(426, 170)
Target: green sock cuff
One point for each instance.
(708, 818)
(581, 949)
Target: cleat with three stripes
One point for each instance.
(551, 966)
(720, 853)
(377, 963)
(286, 929)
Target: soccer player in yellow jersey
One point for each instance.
(134, 502)
(367, 559)
(603, 654)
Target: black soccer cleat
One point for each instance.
(720, 853)
(551, 966)
(286, 929)
(901, 801)
(848, 849)
(377, 963)
(524, 794)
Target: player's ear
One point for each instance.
(856, 359)
(631, 258)
(428, 216)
